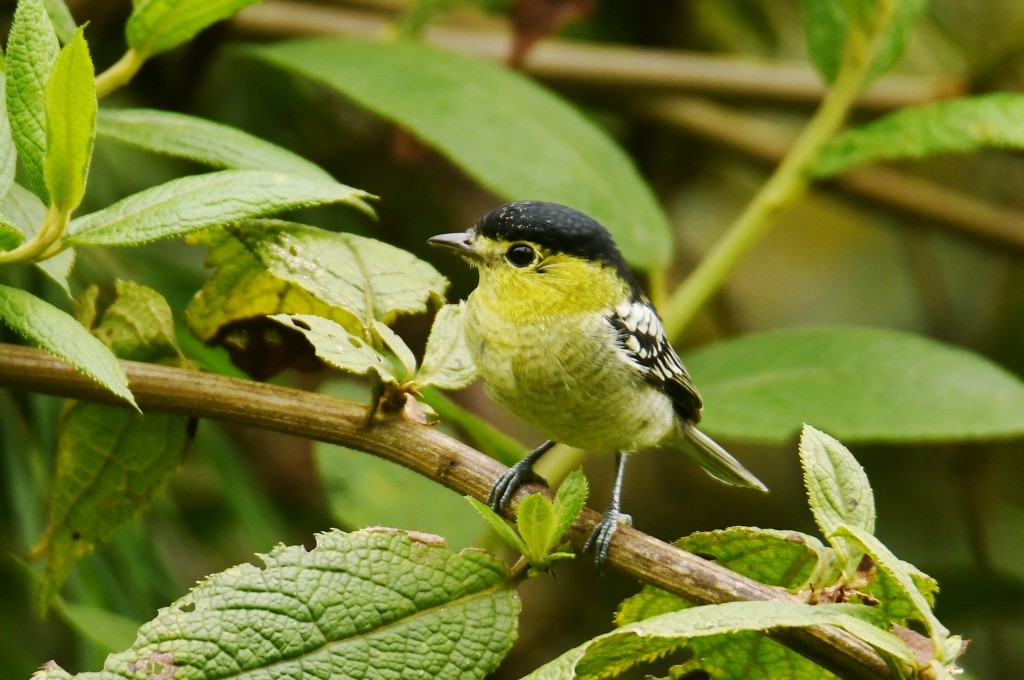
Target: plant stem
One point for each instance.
(45, 243)
(119, 73)
(430, 453)
(786, 184)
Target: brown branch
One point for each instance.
(600, 65)
(946, 208)
(434, 455)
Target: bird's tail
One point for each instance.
(715, 460)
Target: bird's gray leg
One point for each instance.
(517, 475)
(601, 538)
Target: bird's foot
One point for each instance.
(506, 486)
(601, 537)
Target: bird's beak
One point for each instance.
(459, 242)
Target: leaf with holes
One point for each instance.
(341, 349)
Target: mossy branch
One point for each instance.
(427, 451)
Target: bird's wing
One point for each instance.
(642, 341)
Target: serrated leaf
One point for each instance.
(892, 602)
(338, 347)
(241, 289)
(398, 347)
(478, 115)
(570, 499)
(190, 204)
(111, 462)
(838, 490)
(70, 105)
(26, 213)
(363, 490)
(63, 22)
(368, 278)
(32, 49)
(158, 25)
(786, 559)
(896, 569)
(434, 614)
(623, 648)
(500, 526)
(447, 363)
(57, 332)
(860, 384)
(203, 141)
(535, 520)
(828, 26)
(958, 126)
(8, 152)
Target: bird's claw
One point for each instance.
(506, 486)
(601, 537)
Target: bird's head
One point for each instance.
(542, 251)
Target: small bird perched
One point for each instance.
(563, 335)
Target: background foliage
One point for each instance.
(919, 246)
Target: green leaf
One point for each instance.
(32, 49)
(838, 490)
(651, 638)
(368, 278)
(70, 102)
(364, 490)
(570, 499)
(447, 363)
(139, 326)
(338, 347)
(189, 204)
(26, 213)
(57, 332)
(398, 347)
(500, 526)
(159, 25)
(828, 27)
(63, 23)
(481, 115)
(241, 289)
(111, 463)
(787, 559)
(956, 126)
(535, 520)
(8, 152)
(899, 572)
(203, 141)
(860, 384)
(401, 604)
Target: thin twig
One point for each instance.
(602, 65)
(425, 450)
(769, 141)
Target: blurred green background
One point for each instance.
(839, 257)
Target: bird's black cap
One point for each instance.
(558, 228)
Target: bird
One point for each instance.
(564, 336)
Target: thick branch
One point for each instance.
(432, 454)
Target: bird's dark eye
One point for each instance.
(520, 255)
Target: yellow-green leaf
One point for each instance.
(368, 278)
(159, 25)
(70, 103)
(447, 363)
(335, 345)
